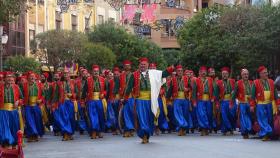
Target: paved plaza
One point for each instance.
(163, 146)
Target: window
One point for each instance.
(100, 19)
(167, 30)
(58, 20)
(87, 23)
(74, 22)
(111, 19)
(204, 4)
(31, 35)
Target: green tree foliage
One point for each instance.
(22, 64)
(57, 47)
(9, 9)
(97, 54)
(231, 36)
(172, 56)
(125, 45)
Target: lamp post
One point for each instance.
(3, 41)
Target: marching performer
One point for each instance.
(225, 89)
(146, 102)
(95, 92)
(32, 92)
(10, 102)
(204, 105)
(242, 92)
(265, 99)
(180, 91)
(128, 104)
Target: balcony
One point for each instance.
(179, 8)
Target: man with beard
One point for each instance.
(10, 102)
(265, 99)
(57, 96)
(204, 97)
(180, 91)
(227, 106)
(242, 92)
(141, 83)
(128, 105)
(32, 92)
(46, 94)
(94, 91)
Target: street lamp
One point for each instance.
(3, 41)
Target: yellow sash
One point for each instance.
(95, 96)
(205, 97)
(181, 95)
(8, 107)
(227, 97)
(145, 95)
(267, 99)
(104, 103)
(33, 100)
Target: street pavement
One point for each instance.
(162, 146)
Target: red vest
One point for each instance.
(221, 86)
(241, 90)
(16, 91)
(200, 87)
(175, 88)
(136, 84)
(26, 92)
(60, 91)
(260, 89)
(90, 85)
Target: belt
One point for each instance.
(145, 95)
(33, 100)
(117, 96)
(181, 95)
(205, 97)
(264, 102)
(95, 96)
(267, 95)
(67, 96)
(8, 107)
(227, 97)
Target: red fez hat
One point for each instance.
(261, 68)
(106, 72)
(210, 69)
(153, 65)
(144, 59)
(179, 67)
(46, 74)
(29, 73)
(95, 67)
(225, 69)
(116, 69)
(203, 68)
(9, 74)
(126, 62)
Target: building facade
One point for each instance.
(159, 20)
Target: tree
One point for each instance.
(172, 56)
(97, 54)
(9, 9)
(22, 64)
(235, 36)
(57, 47)
(125, 45)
